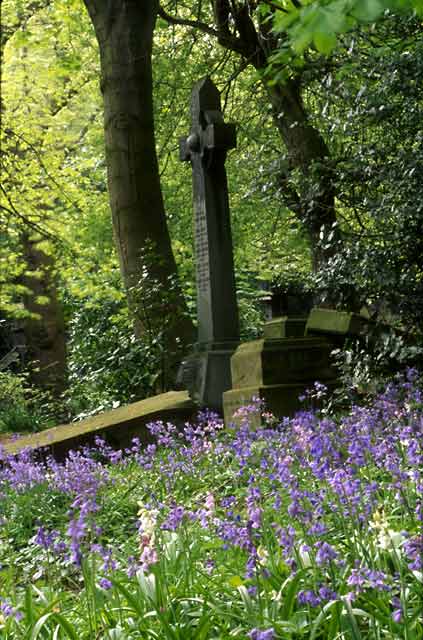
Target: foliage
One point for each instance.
(319, 23)
(54, 173)
(52, 182)
(22, 407)
(365, 93)
(309, 528)
(107, 365)
(53, 141)
(365, 364)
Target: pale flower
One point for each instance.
(262, 555)
(386, 538)
(148, 556)
(305, 556)
(147, 528)
(209, 503)
(148, 521)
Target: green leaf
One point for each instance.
(66, 626)
(302, 41)
(325, 41)
(236, 581)
(131, 599)
(321, 618)
(40, 624)
(282, 21)
(367, 10)
(290, 595)
(29, 607)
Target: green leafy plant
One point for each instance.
(23, 407)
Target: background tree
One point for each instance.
(318, 23)
(124, 32)
(43, 346)
(371, 104)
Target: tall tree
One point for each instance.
(42, 323)
(124, 31)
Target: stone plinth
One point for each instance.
(285, 327)
(277, 371)
(118, 427)
(281, 399)
(267, 362)
(206, 373)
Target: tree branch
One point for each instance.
(185, 22)
(12, 211)
(224, 37)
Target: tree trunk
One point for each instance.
(124, 30)
(306, 146)
(45, 343)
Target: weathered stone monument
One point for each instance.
(206, 373)
(293, 354)
(220, 373)
(278, 370)
(279, 367)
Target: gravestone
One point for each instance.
(206, 373)
(279, 367)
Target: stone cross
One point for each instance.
(207, 372)
(206, 148)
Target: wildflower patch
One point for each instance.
(309, 527)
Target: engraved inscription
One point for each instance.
(202, 255)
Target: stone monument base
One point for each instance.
(206, 373)
(271, 361)
(277, 371)
(280, 399)
(285, 327)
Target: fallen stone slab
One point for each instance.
(117, 427)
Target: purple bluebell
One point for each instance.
(266, 634)
(308, 597)
(105, 583)
(325, 553)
